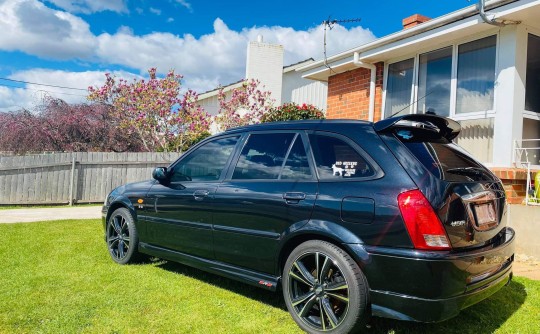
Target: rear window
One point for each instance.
(442, 158)
(447, 161)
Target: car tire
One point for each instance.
(324, 289)
(122, 238)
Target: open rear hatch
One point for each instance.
(467, 197)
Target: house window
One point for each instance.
(434, 75)
(476, 75)
(398, 87)
(532, 98)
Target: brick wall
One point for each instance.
(348, 94)
(514, 181)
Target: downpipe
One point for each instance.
(493, 21)
(373, 70)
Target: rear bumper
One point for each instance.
(434, 286)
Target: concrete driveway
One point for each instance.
(28, 215)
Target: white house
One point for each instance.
(479, 65)
(265, 63)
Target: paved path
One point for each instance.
(42, 214)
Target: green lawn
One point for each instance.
(56, 277)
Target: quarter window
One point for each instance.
(335, 159)
(205, 163)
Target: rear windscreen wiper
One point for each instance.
(470, 171)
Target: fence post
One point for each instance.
(72, 181)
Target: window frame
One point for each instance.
(192, 150)
(378, 172)
(453, 80)
(298, 133)
(529, 113)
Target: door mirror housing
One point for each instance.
(160, 174)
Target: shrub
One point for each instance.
(292, 112)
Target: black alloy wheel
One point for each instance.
(324, 289)
(121, 236)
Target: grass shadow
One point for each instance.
(270, 298)
(484, 317)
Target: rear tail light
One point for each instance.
(423, 225)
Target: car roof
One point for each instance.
(325, 124)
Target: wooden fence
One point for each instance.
(79, 177)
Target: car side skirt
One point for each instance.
(243, 275)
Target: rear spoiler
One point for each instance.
(446, 127)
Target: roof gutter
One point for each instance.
(372, 81)
(426, 26)
(483, 15)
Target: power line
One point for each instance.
(41, 90)
(41, 84)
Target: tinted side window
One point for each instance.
(335, 159)
(263, 156)
(205, 163)
(296, 166)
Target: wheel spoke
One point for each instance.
(322, 315)
(304, 272)
(300, 279)
(121, 249)
(302, 298)
(340, 297)
(337, 286)
(327, 308)
(123, 226)
(307, 307)
(113, 239)
(317, 276)
(325, 268)
(116, 226)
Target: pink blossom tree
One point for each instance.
(245, 105)
(58, 126)
(162, 117)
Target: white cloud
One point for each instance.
(31, 95)
(170, 19)
(219, 56)
(211, 59)
(155, 11)
(185, 4)
(91, 6)
(31, 27)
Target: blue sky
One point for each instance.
(74, 42)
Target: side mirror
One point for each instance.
(160, 174)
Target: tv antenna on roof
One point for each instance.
(328, 25)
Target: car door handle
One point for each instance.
(292, 198)
(200, 194)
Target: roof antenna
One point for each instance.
(328, 25)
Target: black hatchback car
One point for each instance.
(349, 219)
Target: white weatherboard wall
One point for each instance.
(265, 63)
(299, 90)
